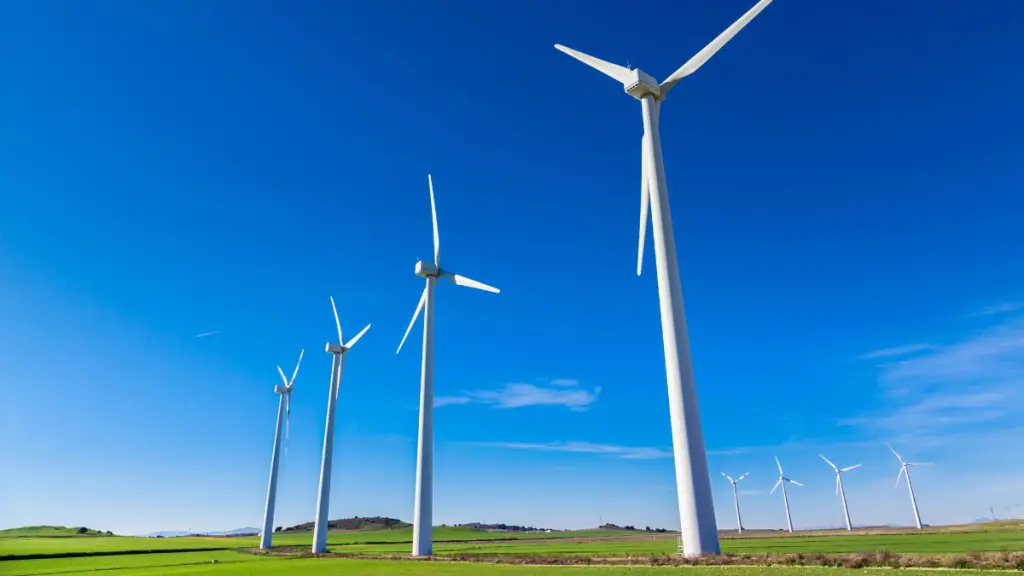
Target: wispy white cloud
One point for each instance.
(1000, 309)
(626, 452)
(451, 401)
(205, 334)
(897, 351)
(518, 395)
(976, 381)
(564, 382)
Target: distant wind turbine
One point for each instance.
(423, 507)
(905, 471)
(840, 491)
(785, 496)
(323, 499)
(699, 532)
(284, 416)
(736, 499)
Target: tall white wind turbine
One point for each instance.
(323, 499)
(785, 495)
(840, 491)
(284, 416)
(905, 471)
(736, 499)
(699, 532)
(423, 508)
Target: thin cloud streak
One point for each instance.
(624, 452)
(205, 334)
(521, 395)
(976, 381)
(897, 351)
(450, 401)
(1000, 309)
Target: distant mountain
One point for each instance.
(167, 534)
(179, 533)
(249, 531)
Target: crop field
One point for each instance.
(30, 554)
(236, 563)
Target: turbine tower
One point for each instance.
(785, 495)
(323, 499)
(905, 470)
(736, 499)
(840, 491)
(284, 416)
(699, 532)
(423, 508)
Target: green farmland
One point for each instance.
(234, 563)
(24, 552)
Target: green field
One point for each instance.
(21, 546)
(123, 556)
(232, 563)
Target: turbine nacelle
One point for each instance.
(642, 84)
(427, 269)
(340, 347)
(279, 389)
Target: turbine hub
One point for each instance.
(335, 348)
(279, 389)
(641, 84)
(427, 269)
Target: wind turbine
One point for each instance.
(699, 532)
(323, 499)
(284, 416)
(423, 508)
(785, 496)
(839, 487)
(905, 470)
(736, 498)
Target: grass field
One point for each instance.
(124, 556)
(235, 563)
(25, 545)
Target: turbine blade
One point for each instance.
(829, 462)
(433, 215)
(903, 470)
(463, 281)
(620, 73)
(848, 468)
(727, 477)
(353, 341)
(745, 474)
(708, 51)
(896, 453)
(337, 322)
(645, 202)
(296, 372)
(779, 464)
(419, 308)
(283, 378)
(777, 483)
(920, 463)
(793, 482)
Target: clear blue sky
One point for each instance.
(846, 189)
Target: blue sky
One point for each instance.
(845, 185)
